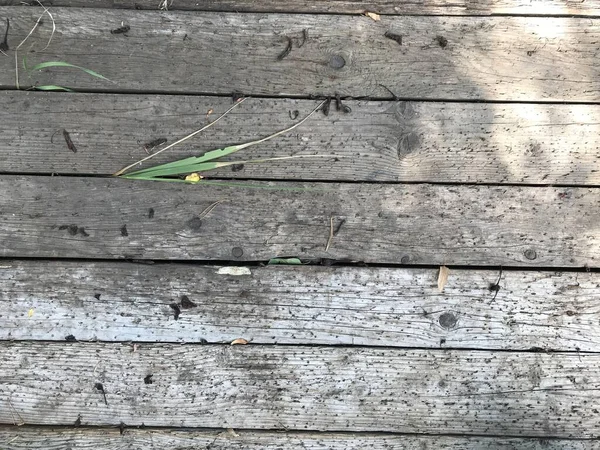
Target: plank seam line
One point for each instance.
(310, 262)
(84, 344)
(301, 96)
(319, 181)
(319, 13)
(266, 431)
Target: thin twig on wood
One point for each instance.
(13, 409)
(209, 209)
(37, 23)
(330, 234)
(189, 136)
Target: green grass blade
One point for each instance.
(208, 156)
(184, 167)
(179, 163)
(49, 64)
(52, 87)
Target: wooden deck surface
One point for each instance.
(132, 318)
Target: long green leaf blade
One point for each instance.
(49, 64)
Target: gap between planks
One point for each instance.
(390, 7)
(42, 438)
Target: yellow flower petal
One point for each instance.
(193, 177)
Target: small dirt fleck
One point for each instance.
(121, 30)
(203, 341)
(186, 303)
(124, 231)
(70, 338)
(77, 422)
(394, 37)
(148, 379)
(69, 142)
(176, 310)
(237, 167)
(82, 232)
(150, 213)
(442, 41)
(72, 229)
(97, 296)
(287, 50)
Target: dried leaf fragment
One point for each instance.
(30, 313)
(376, 17)
(443, 277)
(239, 341)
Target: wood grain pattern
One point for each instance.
(33, 438)
(409, 224)
(503, 58)
(303, 388)
(299, 305)
(378, 141)
(450, 7)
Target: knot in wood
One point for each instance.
(337, 62)
(448, 320)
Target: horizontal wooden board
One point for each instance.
(450, 7)
(312, 388)
(30, 438)
(502, 58)
(299, 305)
(409, 224)
(378, 141)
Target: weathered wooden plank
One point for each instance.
(378, 141)
(295, 387)
(410, 224)
(445, 7)
(299, 305)
(502, 58)
(31, 438)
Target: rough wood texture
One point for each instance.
(378, 141)
(299, 305)
(450, 7)
(505, 58)
(410, 224)
(291, 387)
(31, 438)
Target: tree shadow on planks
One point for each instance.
(512, 142)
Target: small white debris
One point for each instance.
(234, 271)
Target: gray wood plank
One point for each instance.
(31, 438)
(409, 224)
(302, 388)
(502, 58)
(299, 305)
(449, 7)
(378, 141)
